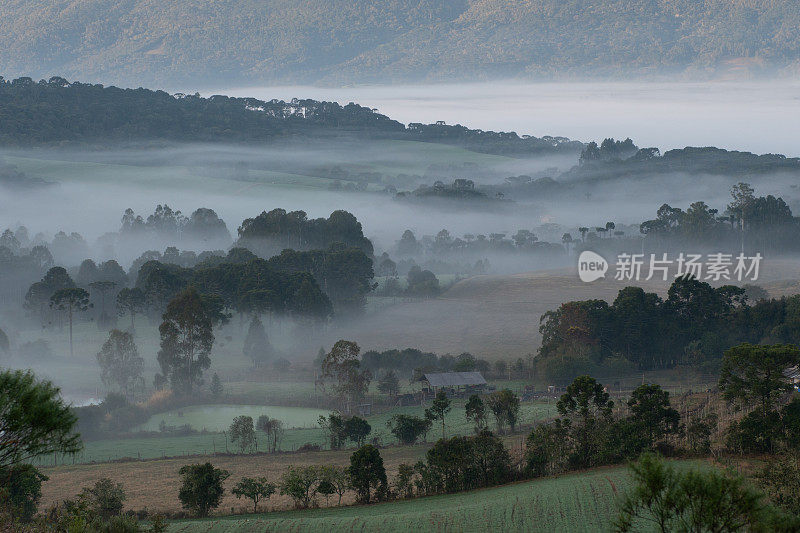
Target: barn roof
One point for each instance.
(454, 379)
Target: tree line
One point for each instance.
(590, 430)
(693, 325)
(73, 113)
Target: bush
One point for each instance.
(408, 429)
(546, 452)
(21, 490)
(465, 463)
(105, 499)
(755, 432)
(254, 489)
(201, 488)
(367, 474)
(696, 501)
(300, 483)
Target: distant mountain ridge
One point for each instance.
(211, 42)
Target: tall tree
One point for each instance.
(757, 373)
(342, 364)
(243, 433)
(187, 339)
(504, 405)
(131, 302)
(256, 344)
(367, 473)
(103, 287)
(439, 408)
(475, 411)
(651, 411)
(586, 407)
(72, 301)
(39, 294)
(120, 362)
(273, 429)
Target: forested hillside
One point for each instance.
(213, 42)
(59, 112)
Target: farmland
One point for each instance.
(154, 484)
(220, 417)
(576, 502)
(215, 418)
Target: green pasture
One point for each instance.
(216, 418)
(167, 445)
(571, 503)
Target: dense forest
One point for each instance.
(239, 41)
(59, 112)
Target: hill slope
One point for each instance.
(209, 42)
(576, 502)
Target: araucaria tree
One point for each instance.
(665, 499)
(131, 302)
(120, 362)
(756, 376)
(72, 300)
(187, 339)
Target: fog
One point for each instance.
(490, 316)
(90, 191)
(758, 116)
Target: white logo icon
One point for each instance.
(591, 266)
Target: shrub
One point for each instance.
(300, 483)
(408, 429)
(201, 488)
(254, 489)
(105, 498)
(367, 474)
(21, 490)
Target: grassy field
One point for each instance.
(154, 447)
(384, 156)
(217, 418)
(577, 502)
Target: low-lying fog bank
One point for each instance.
(757, 116)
